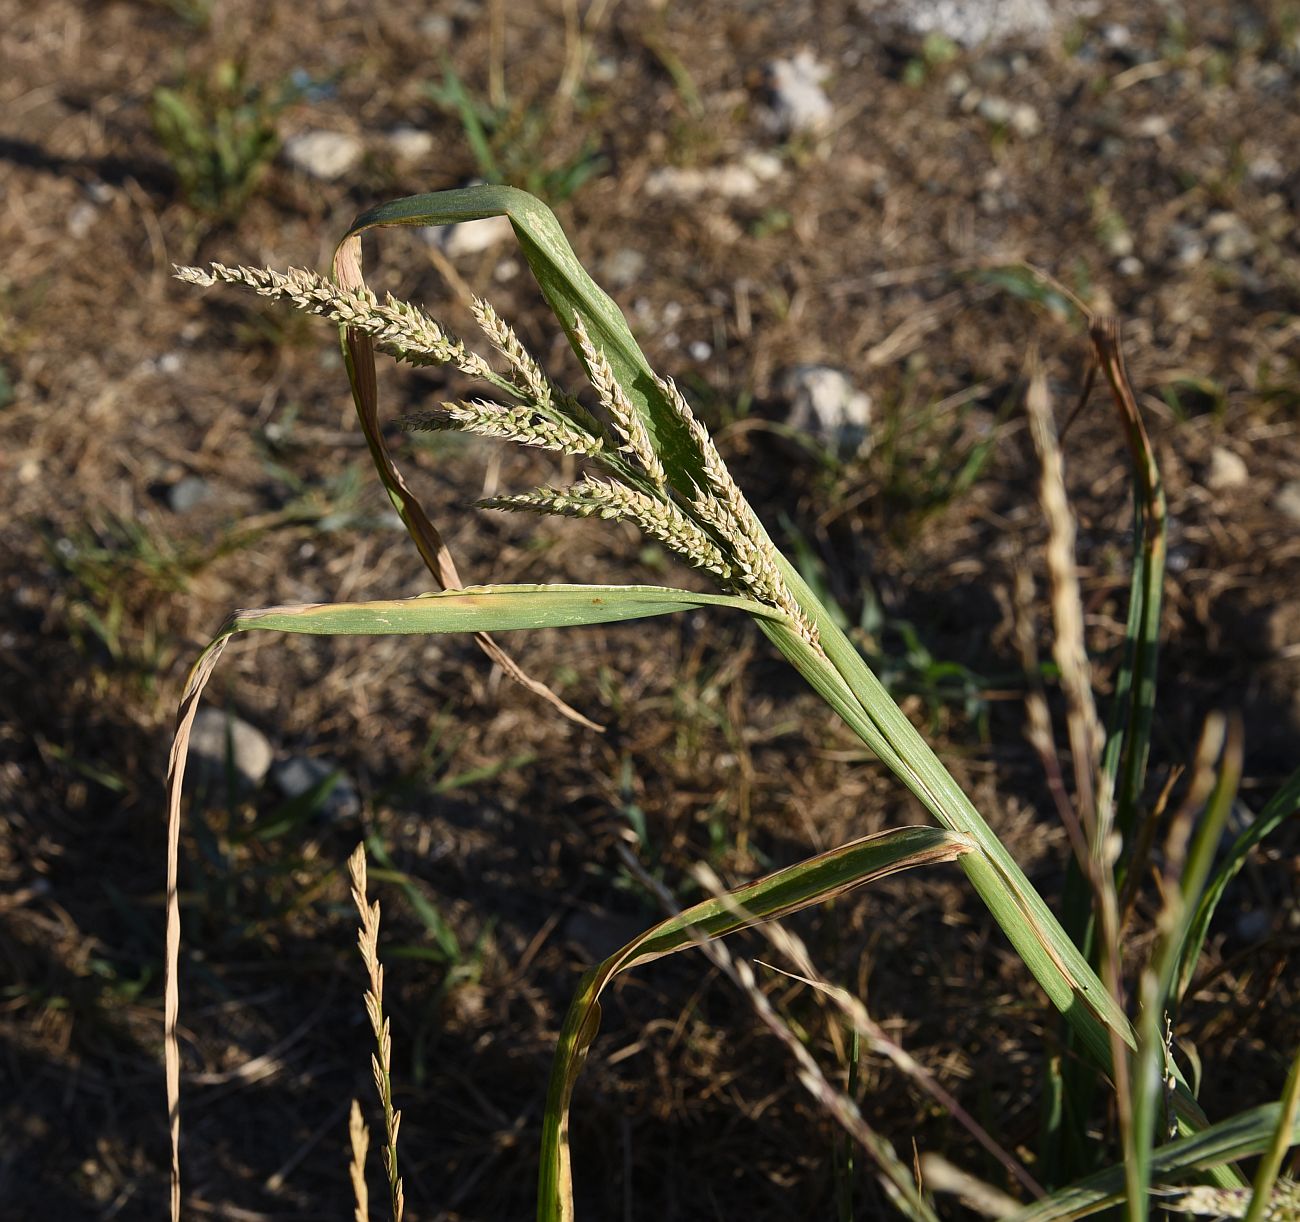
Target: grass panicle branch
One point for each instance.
(525, 425)
(535, 387)
(399, 328)
(614, 400)
(659, 519)
(382, 1060)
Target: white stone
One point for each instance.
(323, 155)
(1287, 500)
(81, 219)
(250, 749)
(972, 23)
(188, 491)
(797, 103)
(1232, 239)
(1130, 266)
(1025, 121)
(823, 401)
(738, 180)
(994, 110)
(624, 267)
(469, 237)
(1188, 246)
(1225, 470)
(410, 143)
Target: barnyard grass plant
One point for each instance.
(651, 463)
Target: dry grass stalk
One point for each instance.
(381, 1061)
(851, 1008)
(1094, 799)
(895, 1178)
(359, 1142)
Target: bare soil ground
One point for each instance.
(1153, 172)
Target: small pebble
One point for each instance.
(797, 104)
(323, 155)
(1225, 470)
(469, 237)
(1287, 500)
(300, 773)
(185, 493)
(410, 143)
(823, 401)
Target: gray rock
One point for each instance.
(797, 104)
(216, 731)
(187, 492)
(1225, 470)
(1287, 500)
(437, 27)
(300, 773)
(1130, 266)
(323, 155)
(995, 110)
(468, 237)
(824, 402)
(1119, 243)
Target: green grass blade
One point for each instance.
(810, 882)
(1285, 1136)
(1125, 759)
(1248, 1133)
(1047, 950)
(1151, 1065)
(486, 609)
(1283, 804)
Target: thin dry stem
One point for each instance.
(1094, 798)
(382, 1061)
(359, 1141)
